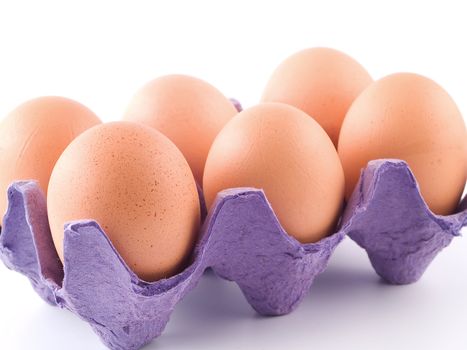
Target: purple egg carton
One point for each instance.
(241, 240)
(238, 106)
(392, 222)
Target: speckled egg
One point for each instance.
(138, 186)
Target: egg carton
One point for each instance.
(241, 240)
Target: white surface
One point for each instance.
(100, 52)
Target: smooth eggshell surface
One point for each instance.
(407, 116)
(33, 136)
(280, 149)
(189, 111)
(320, 81)
(136, 184)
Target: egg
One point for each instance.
(409, 117)
(189, 111)
(138, 186)
(322, 82)
(280, 149)
(33, 136)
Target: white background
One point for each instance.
(100, 52)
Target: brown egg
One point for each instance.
(320, 81)
(136, 184)
(409, 117)
(189, 111)
(280, 149)
(33, 136)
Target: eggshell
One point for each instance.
(409, 117)
(33, 136)
(189, 111)
(242, 241)
(322, 82)
(136, 184)
(282, 150)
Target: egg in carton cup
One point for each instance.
(241, 240)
